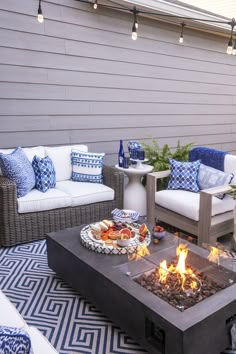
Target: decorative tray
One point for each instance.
(88, 240)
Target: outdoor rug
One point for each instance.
(70, 323)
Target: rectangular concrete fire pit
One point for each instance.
(107, 281)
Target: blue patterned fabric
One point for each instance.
(210, 157)
(18, 169)
(87, 166)
(45, 176)
(209, 177)
(184, 175)
(14, 341)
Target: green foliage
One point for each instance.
(159, 157)
(232, 192)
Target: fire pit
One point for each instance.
(110, 282)
(182, 285)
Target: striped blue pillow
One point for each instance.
(87, 166)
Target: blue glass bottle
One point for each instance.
(121, 154)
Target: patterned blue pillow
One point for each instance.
(14, 340)
(184, 175)
(45, 176)
(18, 169)
(209, 177)
(87, 166)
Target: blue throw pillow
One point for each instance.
(18, 169)
(45, 176)
(87, 166)
(184, 175)
(14, 340)
(209, 177)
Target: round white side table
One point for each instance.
(135, 197)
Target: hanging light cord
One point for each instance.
(231, 49)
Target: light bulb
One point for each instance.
(40, 18)
(95, 5)
(134, 32)
(40, 13)
(181, 39)
(229, 50)
(234, 48)
(134, 36)
(230, 46)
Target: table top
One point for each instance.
(136, 171)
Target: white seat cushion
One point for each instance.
(61, 158)
(38, 201)
(86, 193)
(39, 343)
(187, 203)
(9, 316)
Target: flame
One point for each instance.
(182, 253)
(214, 255)
(163, 272)
(188, 279)
(142, 251)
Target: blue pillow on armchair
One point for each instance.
(184, 175)
(14, 341)
(18, 169)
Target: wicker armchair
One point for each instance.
(18, 228)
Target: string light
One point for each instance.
(231, 48)
(95, 5)
(181, 38)
(40, 13)
(135, 24)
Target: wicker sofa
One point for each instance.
(19, 225)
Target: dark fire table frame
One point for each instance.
(152, 322)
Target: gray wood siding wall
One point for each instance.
(79, 78)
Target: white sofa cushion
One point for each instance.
(187, 203)
(61, 158)
(9, 316)
(40, 344)
(38, 201)
(86, 193)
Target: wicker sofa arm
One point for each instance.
(114, 179)
(8, 197)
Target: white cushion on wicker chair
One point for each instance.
(38, 201)
(61, 159)
(187, 203)
(86, 193)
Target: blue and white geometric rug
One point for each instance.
(70, 323)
